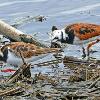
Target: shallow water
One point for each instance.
(57, 12)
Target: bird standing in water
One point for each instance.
(77, 34)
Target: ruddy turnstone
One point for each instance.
(78, 33)
(11, 55)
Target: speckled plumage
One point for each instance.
(29, 52)
(84, 31)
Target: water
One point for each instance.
(58, 12)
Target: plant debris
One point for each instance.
(83, 83)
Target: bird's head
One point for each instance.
(58, 35)
(3, 54)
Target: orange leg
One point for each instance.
(90, 45)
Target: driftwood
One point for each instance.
(75, 60)
(11, 91)
(47, 63)
(16, 35)
(45, 87)
(18, 73)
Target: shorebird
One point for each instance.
(77, 34)
(11, 55)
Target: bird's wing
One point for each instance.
(84, 30)
(28, 50)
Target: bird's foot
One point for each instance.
(83, 56)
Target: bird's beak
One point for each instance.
(55, 44)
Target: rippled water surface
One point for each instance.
(57, 12)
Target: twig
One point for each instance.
(47, 63)
(10, 91)
(86, 73)
(18, 73)
(22, 56)
(44, 77)
(93, 84)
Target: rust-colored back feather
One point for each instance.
(28, 49)
(84, 30)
